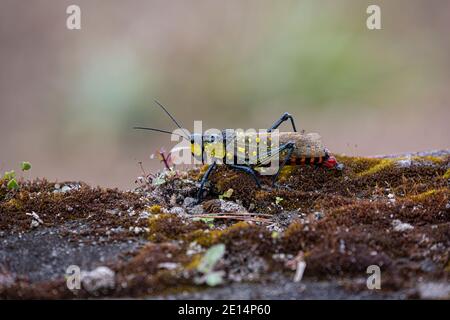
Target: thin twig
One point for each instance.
(142, 168)
(241, 214)
(232, 218)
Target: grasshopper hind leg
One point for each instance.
(286, 116)
(290, 146)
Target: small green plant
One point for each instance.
(208, 221)
(207, 264)
(227, 194)
(12, 184)
(25, 165)
(158, 180)
(10, 176)
(278, 200)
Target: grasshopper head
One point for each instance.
(332, 163)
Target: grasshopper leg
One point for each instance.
(203, 181)
(248, 170)
(286, 116)
(290, 146)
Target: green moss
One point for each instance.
(446, 174)
(164, 227)
(193, 264)
(377, 166)
(227, 181)
(14, 204)
(205, 238)
(155, 209)
(261, 195)
(285, 173)
(237, 227)
(447, 268)
(435, 160)
(421, 197)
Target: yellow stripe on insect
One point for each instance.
(196, 149)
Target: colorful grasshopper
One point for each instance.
(293, 148)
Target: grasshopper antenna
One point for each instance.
(160, 130)
(171, 117)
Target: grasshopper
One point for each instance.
(293, 148)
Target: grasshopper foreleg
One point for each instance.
(203, 181)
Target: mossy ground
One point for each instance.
(343, 222)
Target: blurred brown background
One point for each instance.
(68, 99)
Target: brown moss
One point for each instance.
(148, 258)
(3, 189)
(14, 204)
(446, 174)
(358, 164)
(155, 209)
(198, 173)
(244, 235)
(291, 240)
(309, 188)
(164, 227)
(285, 173)
(148, 276)
(435, 160)
(355, 229)
(194, 262)
(205, 238)
(447, 268)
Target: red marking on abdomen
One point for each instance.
(327, 161)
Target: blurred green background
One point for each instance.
(68, 99)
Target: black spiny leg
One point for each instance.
(286, 116)
(203, 181)
(248, 170)
(290, 148)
